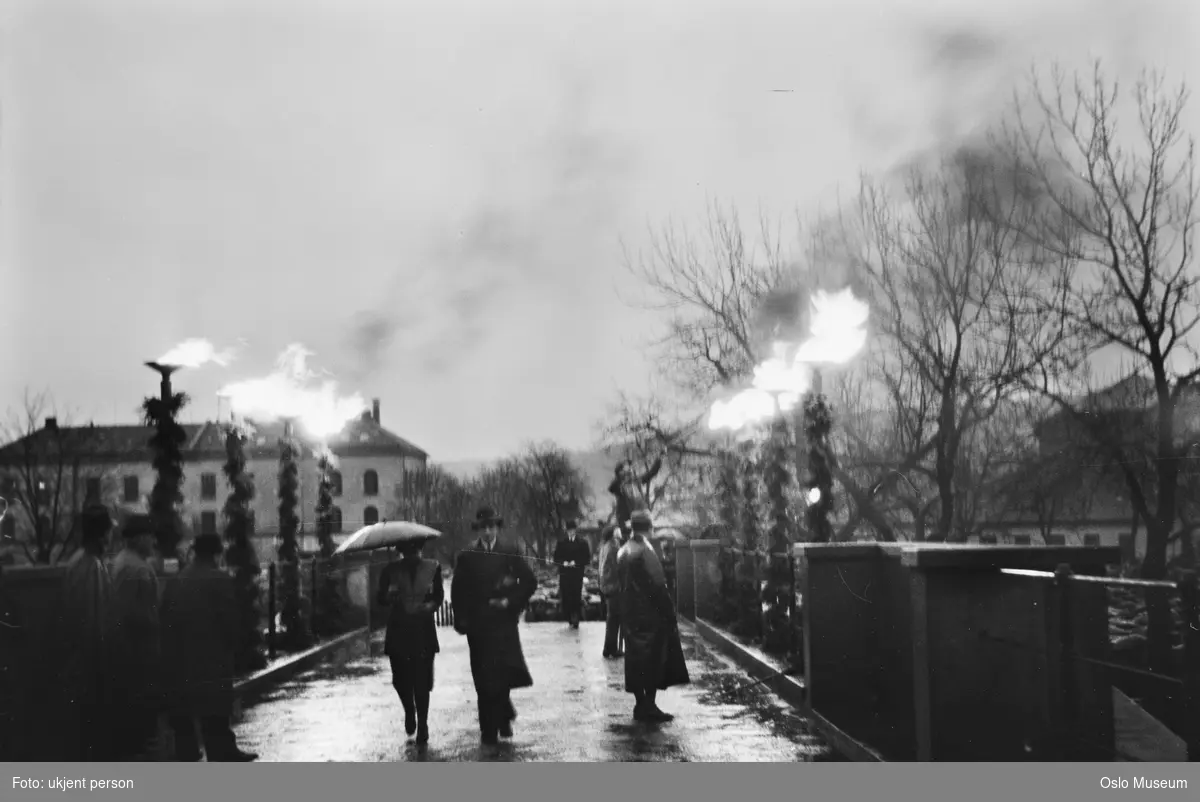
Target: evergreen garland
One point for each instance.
(817, 424)
(167, 446)
(295, 634)
(778, 592)
(241, 556)
(748, 573)
(329, 598)
(728, 493)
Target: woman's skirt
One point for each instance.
(414, 672)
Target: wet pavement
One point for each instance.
(577, 711)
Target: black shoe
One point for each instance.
(423, 734)
(506, 730)
(238, 756)
(489, 739)
(654, 714)
(410, 724)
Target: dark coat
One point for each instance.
(653, 652)
(411, 631)
(199, 625)
(497, 661)
(570, 579)
(135, 629)
(624, 491)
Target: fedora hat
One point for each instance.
(486, 516)
(210, 545)
(138, 525)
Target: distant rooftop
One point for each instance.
(362, 436)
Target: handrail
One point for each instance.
(1100, 580)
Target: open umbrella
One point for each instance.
(385, 534)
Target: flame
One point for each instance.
(292, 392)
(195, 352)
(837, 333)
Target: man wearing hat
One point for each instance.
(200, 627)
(572, 554)
(625, 486)
(136, 637)
(492, 584)
(653, 652)
(84, 636)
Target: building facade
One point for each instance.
(50, 474)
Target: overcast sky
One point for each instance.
(432, 197)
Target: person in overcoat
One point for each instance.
(492, 584)
(85, 639)
(653, 652)
(624, 488)
(200, 628)
(136, 638)
(609, 591)
(572, 554)
(413, 588)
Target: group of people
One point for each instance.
(491, 587)
(133, 651)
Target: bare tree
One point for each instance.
(555, 489)
(1124, 212)
(50, 467)
(957, 293)
(441, 500)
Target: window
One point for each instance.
(208, 486)
(8, 527)
(370, 516)
(252, 522)
(9, 487)
(131, 489)
(370, 483)
(335, 519)
(335, 483)
(93, 489)
(43, 492)
(208, 523)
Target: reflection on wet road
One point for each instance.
(576, 711)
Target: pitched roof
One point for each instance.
(361, 437)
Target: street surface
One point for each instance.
(576, 711)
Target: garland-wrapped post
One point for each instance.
(329, 618)
(166, 445)
(777, 595)
(817, 424)
(728, 494)
(296, 635)
(241, 557)
(748, 575)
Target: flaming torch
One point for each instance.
(302, 399)
(836, 333)
(167, 441)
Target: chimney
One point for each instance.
(375, 409)
(52, 424)
(287, 429)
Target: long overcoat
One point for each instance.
(570, 578)
(199, 630)
(497, 661)
(653, 652)
(135, 628)
(411, 632)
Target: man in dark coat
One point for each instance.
(572, 554)
(84, 635)
(136, 638)
(624, 488)
(653, 652)
(492, 584)
(413, 589)
(200, 629)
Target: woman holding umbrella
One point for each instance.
(412, 587)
